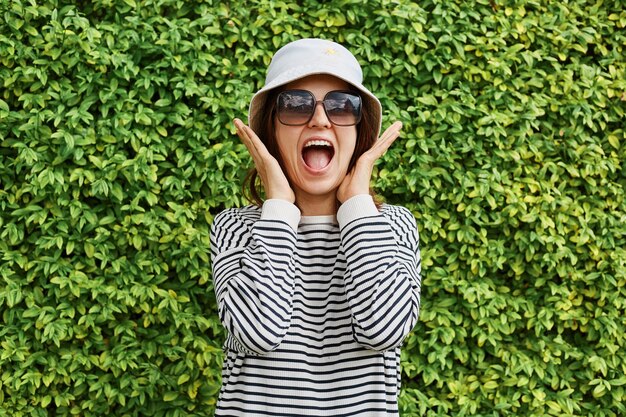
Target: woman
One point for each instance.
(317, 286)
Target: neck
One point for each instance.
(317, 205)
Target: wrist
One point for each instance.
(286, 195)
(279, 209)
(358, 206)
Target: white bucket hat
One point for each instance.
(306, 57)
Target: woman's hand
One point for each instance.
(358, 180)
(274, 180)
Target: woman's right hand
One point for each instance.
(272, 176)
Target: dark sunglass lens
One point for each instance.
(295, 107)
(343, 109)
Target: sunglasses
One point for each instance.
(297, 107)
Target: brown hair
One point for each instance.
(366, 137)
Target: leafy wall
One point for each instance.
(117, 149)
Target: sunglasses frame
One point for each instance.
(323, 101)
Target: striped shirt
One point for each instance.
(316, 308)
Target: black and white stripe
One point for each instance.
(315, 317)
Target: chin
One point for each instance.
(321, 188)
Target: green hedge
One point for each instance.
(117, 149)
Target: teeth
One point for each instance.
(318, 143)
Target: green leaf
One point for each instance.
(89, 249)
(46, 400)
(170, 396)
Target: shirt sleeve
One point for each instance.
(383, 281)
(253, 270)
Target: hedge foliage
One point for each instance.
(117, 149)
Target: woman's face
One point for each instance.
(316, 155)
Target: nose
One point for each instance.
(319, 118)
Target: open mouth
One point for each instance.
(317, 154)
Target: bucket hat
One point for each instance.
(304, 57)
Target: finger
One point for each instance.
(385, 141)
(241, 132)
(258, 144)
(390, 135)
(245, 136)
(249, 138)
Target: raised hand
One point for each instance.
(358, 180)
(274, 180)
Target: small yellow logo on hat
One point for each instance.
(330, 51)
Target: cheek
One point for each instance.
(348, 141)
(356, 152)
(285, 142)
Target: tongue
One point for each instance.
(317, 158)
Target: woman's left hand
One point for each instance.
(358, 180)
